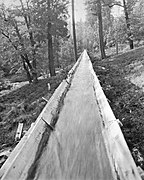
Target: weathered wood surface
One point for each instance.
(76, 149)
(17, 165)
(122, 162)
(87, 143)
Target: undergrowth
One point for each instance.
(125, 98)
(24, 106)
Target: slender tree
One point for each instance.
(101, 39)
(112, 3)
(50, 20)
(129, 34)
(11, 29)
(28, 21)
(74, 31)
(50, 42)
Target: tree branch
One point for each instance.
(112, 4)
(115, 4)
(8, 37)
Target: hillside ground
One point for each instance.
(23, 105)
(122, 79)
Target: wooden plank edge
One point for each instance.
(120, 157)
(16, 163)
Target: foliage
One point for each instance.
(137, 20)
(66, 53)
(99, 24)
(58, 14)
(116, 29)
(24, 33)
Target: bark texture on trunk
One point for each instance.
(74, 31)
(50, 53)
(129, 34)
(50, 43)
(101, 40)
(27, 71)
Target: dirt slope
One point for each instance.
(122, 79)
(24, 105)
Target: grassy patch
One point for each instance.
(24, 105)
(125, 98)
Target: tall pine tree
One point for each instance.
(50, 20)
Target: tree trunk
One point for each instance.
(35, 80)
(74, 31)
(101, 39)
(27, 71)
(25, 56)
(34, 71)
(50, 44)
(50, 54)
(129, 34)
(34, 74)
(27, 18)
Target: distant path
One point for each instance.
(76, 149)
(15, 86)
